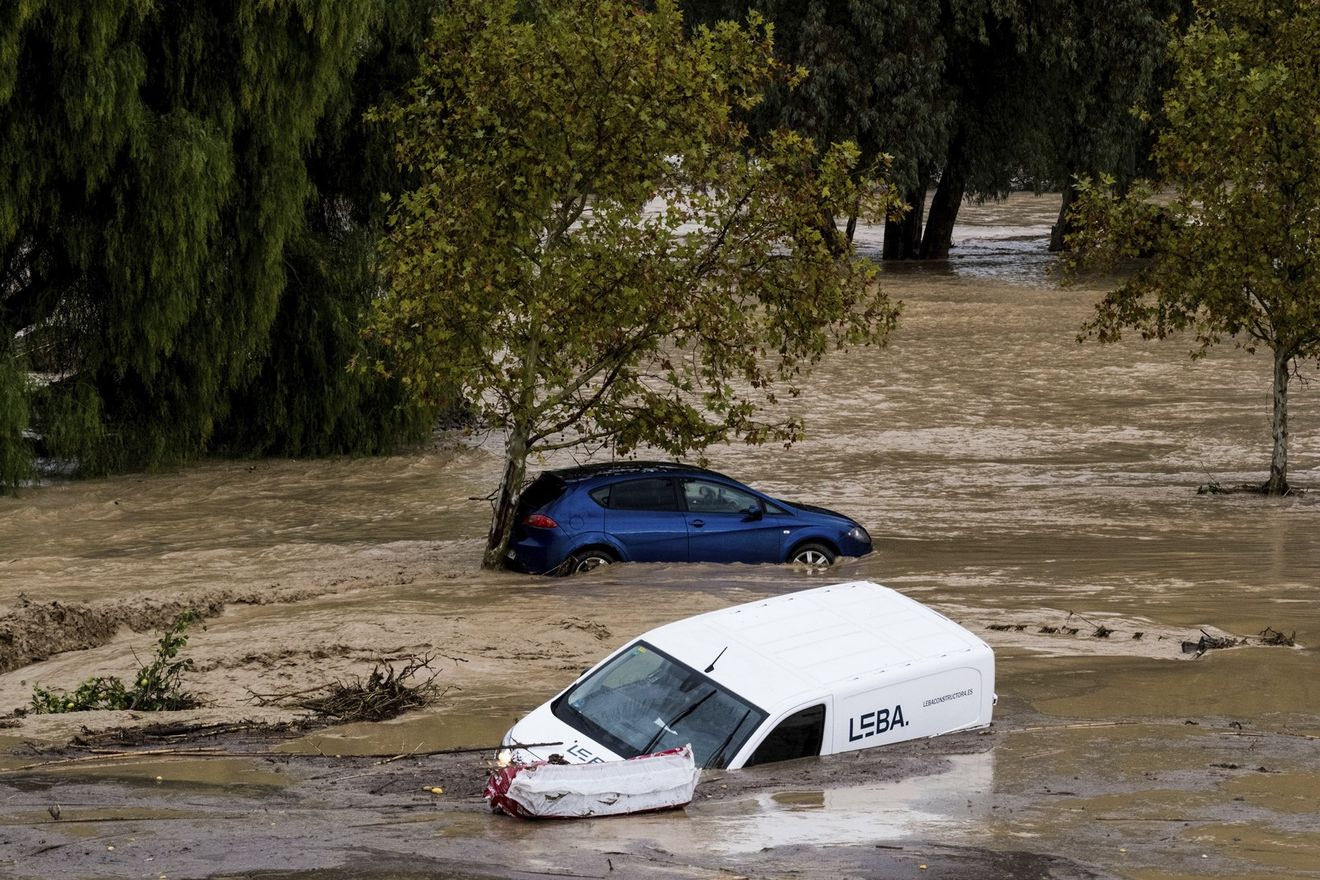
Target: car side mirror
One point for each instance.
(753, 513)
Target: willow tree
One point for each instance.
(1230, 245)
(154, 202)
(596, 253)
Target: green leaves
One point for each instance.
(157, 686)
(182, 222)
(602, 251)
(1230, 235)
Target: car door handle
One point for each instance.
(697, 523)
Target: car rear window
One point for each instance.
(542, 491)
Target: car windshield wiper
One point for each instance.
(646, 750)
(719, 753)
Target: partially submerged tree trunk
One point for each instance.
(506, 505)
(1064, 225)
(903, 237)
(516, 448)
(1278, 484)
(944, 206)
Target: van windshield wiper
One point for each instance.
(719, 753)
(646, 750)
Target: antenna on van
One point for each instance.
(711, 667)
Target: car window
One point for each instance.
(544, 489)
(645, 701)
(704, 496)
(652, 493)
(797, 736)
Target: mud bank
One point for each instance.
(37, 631)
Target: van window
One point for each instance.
(645, 701)
(653, 493)
(797, 736)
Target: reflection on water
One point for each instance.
(924, 806)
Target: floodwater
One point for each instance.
(1011, 478)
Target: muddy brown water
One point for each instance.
(1011, 477)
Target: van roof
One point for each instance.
(827, 640)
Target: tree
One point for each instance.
(595, 253)
(1120, 62)
(158, 174)
(1042, 91)
(973, 97)
(302, 399)
(871, 74)
(1230, 238)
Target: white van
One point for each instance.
(828, 670)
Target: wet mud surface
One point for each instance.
(1037, 491)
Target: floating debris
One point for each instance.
(1272, 636)
(1208, 642)
(385, 693)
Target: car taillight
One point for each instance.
(540, 521)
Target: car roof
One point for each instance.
(830, 640)
(616, 468)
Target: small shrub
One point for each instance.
(157, 687)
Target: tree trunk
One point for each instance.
(515, 457)
(944, 206)
(903, 237)
(506, 507)
(1059, 231)
(1278, 484)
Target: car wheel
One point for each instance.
(589, 559)
(813, 556)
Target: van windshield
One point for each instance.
(645, 701)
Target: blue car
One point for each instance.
(576, 519)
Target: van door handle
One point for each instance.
(698, 523)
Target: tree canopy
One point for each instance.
(1229, 238)
(155, 195)
(596, 252)
(971, 97)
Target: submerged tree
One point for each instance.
(1232, 237)
(872, 73)
(975, 98)
(595, 252)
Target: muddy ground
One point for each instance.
(1037, 491)
(237, 805)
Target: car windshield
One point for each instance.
(645, 701)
